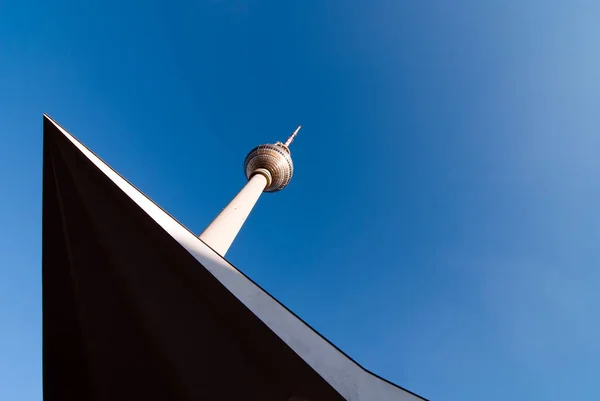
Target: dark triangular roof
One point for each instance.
(137, 307)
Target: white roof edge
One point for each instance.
(346, 376)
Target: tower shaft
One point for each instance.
(219, 235)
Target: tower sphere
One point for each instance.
(274, 161)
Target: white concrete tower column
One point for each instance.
(219, 235)
(268, 168)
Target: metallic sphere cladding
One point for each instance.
(270, 159)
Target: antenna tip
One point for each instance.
(291, 138)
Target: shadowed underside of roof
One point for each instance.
(129, 314)
(113, 307)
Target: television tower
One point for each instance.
(268, 168)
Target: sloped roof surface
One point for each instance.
(138, 307)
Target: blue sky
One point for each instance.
(442, 225)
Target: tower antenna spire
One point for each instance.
(291, 138)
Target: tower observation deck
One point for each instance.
(268, 168)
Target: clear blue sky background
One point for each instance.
(443, 223)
